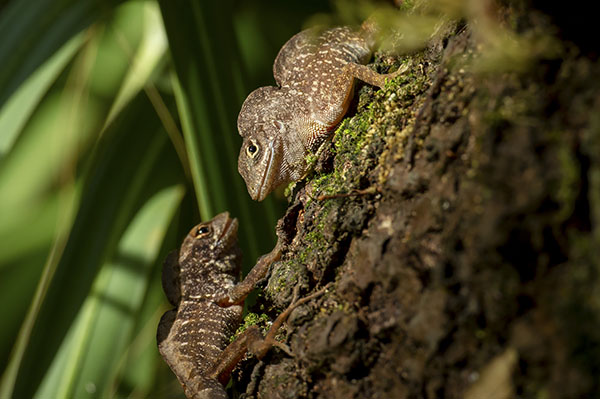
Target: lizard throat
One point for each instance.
(267, 177)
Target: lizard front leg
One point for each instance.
(240, 291)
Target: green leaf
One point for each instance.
(16, 112)
(209, 95)
(33, 30)
(110, 184)
(124, 171)
(144, 62)
(105, 323)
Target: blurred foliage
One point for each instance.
(117, 134)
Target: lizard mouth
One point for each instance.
(266, 180)
(229, 231)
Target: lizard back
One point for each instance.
(311, 56)
(310, 68)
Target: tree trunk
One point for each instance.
(455, 215)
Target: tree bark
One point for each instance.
(456, 217)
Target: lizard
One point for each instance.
(280, 125)
(200, 280)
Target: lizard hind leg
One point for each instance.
(233, 353)
(253, 341)
(250, 340)
(369, 76)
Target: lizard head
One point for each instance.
(212, 243)
(263, 125)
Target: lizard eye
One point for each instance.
(202, 231)
(252, 149)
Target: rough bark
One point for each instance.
(456, 217)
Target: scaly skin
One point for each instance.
(195, 334)
(280, 126)
(200, 280)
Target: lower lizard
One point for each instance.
(200, 280)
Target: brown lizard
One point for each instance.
(200, 280)
(280, 126)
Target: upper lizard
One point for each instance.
(281, 125)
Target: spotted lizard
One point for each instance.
(280, 125)
(200, 280)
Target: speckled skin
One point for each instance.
(201, 281)
(192, 337)
(280, 126)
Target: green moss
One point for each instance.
(251, 319)
(360, 140)
(279, 278)
(285, 276)
(315, 243)
(569, 181)
(289, 190)
(315, 238)
(407, 5)
(311, 159)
